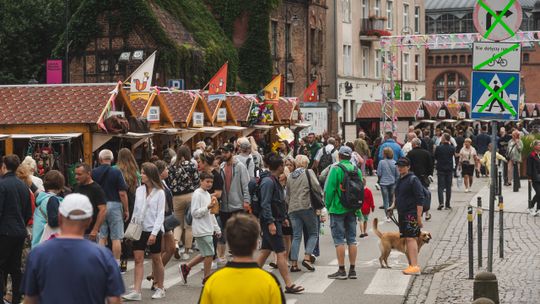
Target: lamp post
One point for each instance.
(404, 31)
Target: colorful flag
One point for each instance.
(311, 94)
(453, 99)
(273, 89)
(217, 86)
(141, 79)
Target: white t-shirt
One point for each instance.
(204, 222)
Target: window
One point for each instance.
(346, 10)
(462, 59)
(438, 60)
(431, 25)
(354, 110)
(365, 8)
(454, 59)
(347, 60)
(314, 46)
(448, 83)
(365, 62)
(389, 15)
(417, 19)
(430, 60)
(448, 24)
(274, 38)
(378, 64)
(104, 65)
(446, 59)
(378, 8)
(406, 71)
(290, 87)
(416, 67)
(405, 15)
(467, 24)
(288, 41)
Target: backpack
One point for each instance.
(326, 159)
(352, 189)
(254, 187)
(255, 167)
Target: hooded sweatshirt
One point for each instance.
(297, 194)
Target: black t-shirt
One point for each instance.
(218, 182)
(97, 197)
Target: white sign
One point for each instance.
(496, 19)
(153, 114)
(420, 113)
(497, 56)
(270, 115)
(442, 113)
(221, 115)
(317, 117)
(462, 115)
(295, 115)
(198, 119)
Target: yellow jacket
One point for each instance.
(486, 160)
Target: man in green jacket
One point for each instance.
(342, 220)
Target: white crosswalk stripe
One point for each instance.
(388, 282)
(317, 281)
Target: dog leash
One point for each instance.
(391, 215)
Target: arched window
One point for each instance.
(447, 83)
(448, 24)
(467, 25)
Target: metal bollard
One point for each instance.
(486, 286)
(501, 227)
(499, 184)
(516, 177)
(479, 230)
(529, 194)
(483, 301)
(471, 255)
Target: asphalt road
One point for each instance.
(374, 285)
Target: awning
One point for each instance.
(59, 135)
(234, 128)
(133, 135)
(263, 127)
(449, 120)
(300, 126)
(427, 121)
(212, 131)
(4, 136)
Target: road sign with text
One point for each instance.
(495, 95)
(497, 20)
(497, 56)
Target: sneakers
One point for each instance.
(448, 208)
(531, 211)
(159, 294)
(440, 207)
(132, 296)
(339, 275)
(412, 270)
(123, 266)
(377, 186)
(536, 213)
(184, 272)
(352, 274)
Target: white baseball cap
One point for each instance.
(76, 202)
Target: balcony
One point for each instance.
(373, 28)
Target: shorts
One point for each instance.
(362, 217)
(467, 170)
(287, 230)
(408, 225)
(113, 225)
(272, 242)
(205, 244)
(141, 243)
(343, 228)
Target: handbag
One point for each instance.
(171, 222)
(316, 198)
(135, 227)
(48, 231)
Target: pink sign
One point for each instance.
(54, 71)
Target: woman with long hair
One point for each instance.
(183, 180)
(130, 170)
(149, 210)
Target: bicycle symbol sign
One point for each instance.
(497, 56)
(497, 20)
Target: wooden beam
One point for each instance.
(87, 147)
(44, 128)
(9, 146)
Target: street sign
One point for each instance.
(495, 95)
(497, 56)
(497, 19)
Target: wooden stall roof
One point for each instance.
(404, 110)
(432, 107)
(241, 106)
(142, 106)
(284, 108)
(215, 104)
(57, 104)
(182, 104)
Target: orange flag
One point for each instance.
(217, 86)
(311, 94)
(272, 91)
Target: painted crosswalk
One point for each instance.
(388, 282)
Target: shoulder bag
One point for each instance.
(48, 231)
(317, 202)
(135, 227)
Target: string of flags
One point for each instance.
(451, 41)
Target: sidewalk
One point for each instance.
(444, 278)
(513, 201)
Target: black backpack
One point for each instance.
(352, 189)
(254, 187)
(326, 159)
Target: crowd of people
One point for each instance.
(212, 205)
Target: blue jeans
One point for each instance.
(387, 195)
(301, 219)
(343, 227)
(316, 252)
(114, 222)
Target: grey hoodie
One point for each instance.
(297, 194)
(239, 192)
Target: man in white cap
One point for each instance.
(69, 268)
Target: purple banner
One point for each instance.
(54, 71)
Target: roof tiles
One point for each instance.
(179, 104)
(241, 106)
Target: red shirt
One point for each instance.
(369, 205)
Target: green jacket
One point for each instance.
(332, 188)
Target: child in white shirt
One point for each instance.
(204, 227)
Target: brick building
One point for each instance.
(297, 44)
(448, 70)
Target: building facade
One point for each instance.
(449, 69)
(297, 44)
(356, 60)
